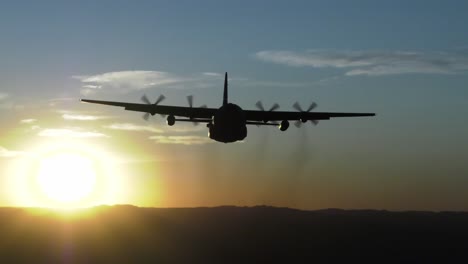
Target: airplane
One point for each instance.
(228, 123)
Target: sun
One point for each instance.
(69, 174)
(66, 178)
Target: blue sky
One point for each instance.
(405, 60)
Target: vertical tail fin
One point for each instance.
(225, 95)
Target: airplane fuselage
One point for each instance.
(228, 125)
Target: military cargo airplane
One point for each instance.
(229, 122)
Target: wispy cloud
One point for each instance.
(214, 74)
(277, 84)
(133, 127)
(28, 121)
(60, 101)
(70, 133)
(372, 63)
(184, 140)
(124, 81)
(11, 105)
(127, 81)
(78, 117)
(3, 96)
(7, 103)
(5, 153)
(186, 128)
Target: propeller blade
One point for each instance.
(146, 116)
(274, 107)
(259, 105)
(298, 123)
(314, 122)
(204, 106)
(190, 100)
(298, 107)
(160, 99)
(311, 107)
(145, 99)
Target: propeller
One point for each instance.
(190, 100)
(190, 103)
(274, 107)
(145, 99)
(298, 107)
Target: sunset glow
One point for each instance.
(66, 174)
(407, 62)
(66, 178)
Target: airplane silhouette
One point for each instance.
(229, 122)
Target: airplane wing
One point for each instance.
(208, 113)
(254, 115)
(190, 112)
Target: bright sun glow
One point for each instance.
(69, 174)
(66, 178)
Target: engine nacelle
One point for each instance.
(170, 120)
(284, 125)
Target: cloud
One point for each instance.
(184, 128)
(214, 74)
(3, 96)
(8, 104)
(278, 84)
(125, 81)
(184, 140)
(5, 153)
(60, 101)
(28, 121)
(69, 133)
(372, 63)
(77, 117)
(133, 127)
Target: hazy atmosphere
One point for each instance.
(406, 61)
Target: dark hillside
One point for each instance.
(127, 234)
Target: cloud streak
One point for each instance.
(371, 63)
(133, 127)
(5, 153)
(28, 121)
(184, 140)
(151, 129)
(124, 81)
(3, 96)
(213, 74)
(76, 117)
(127, 81)
(69, 133)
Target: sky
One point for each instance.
(407, 61)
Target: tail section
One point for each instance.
(225, 95)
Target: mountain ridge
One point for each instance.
(229, 234)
